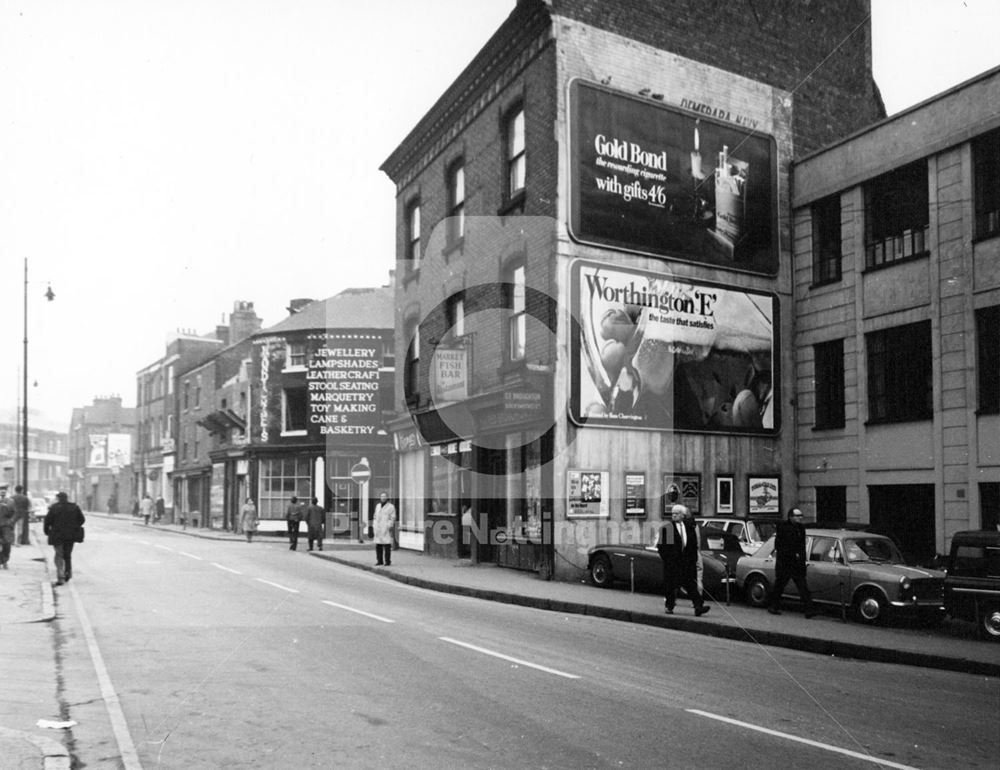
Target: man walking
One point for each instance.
(146, 507)
(315, 518)
(64, 526)
(8, 519)
(679, 547)
(22, 510)
(383, 524)
(293, 515)
(790, 562)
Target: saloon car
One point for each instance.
(640, 565)
(972, 585)
(859, 570)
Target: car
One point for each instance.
(972, 581)
(751, 532)
(640, 565)
(860, 570)
(39, 507)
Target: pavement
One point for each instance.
(30, 711)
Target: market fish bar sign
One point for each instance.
(342, 381)
(659, 180)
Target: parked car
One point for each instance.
(860, 570)
(751, 532)
(972, 583)
(39, 507)
(612, 563)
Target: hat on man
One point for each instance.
(62, 495)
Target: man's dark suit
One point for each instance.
(790, 564)
(680, 562)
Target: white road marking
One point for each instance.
(164, 548)
(277, 585)
(227, 569)
(129, 756)
(816, 744)
(190, 555)
(360, 612)
(518, 661)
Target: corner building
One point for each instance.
(594, 280)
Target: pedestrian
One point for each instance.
(8, 519)
(64, 526)
(293, 515)
(679, 546)
(22, 512)
(383, 527)
(315, 518)
(790, 562)
(248, 519)
(146, 507)
(161, 508)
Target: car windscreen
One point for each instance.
(878, 550)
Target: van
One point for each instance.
(972, 583)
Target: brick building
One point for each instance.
(594, 283)
(100, 455)
(897, 322)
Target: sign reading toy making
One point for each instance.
(654, 179)
(342, 378)
(658, 353)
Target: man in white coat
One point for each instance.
(383, 526)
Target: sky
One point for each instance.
(161, 160)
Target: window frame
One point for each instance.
(517, 332)
(897, 215)
(986, 185)
(900, 374)
(828, 376)
(515, 152)
(287, 428)
(988, 360)
(411, 363)
(827, 249)
(455, 184)
(412, 228)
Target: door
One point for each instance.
(827, 576)
(342, 493)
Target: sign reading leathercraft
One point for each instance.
(342, 378)
(658, 180)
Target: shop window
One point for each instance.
(829, 378)
(896, 215)
(515, 152)
(412, 252)
(988, 359)
(294, 409)
(280, 479)
(456, 202)
(826, 240)
(517, 322)
(986, 175)
(899, 373)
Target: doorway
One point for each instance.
(905, 512)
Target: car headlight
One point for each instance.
(904, 586)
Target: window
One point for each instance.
(280, 479)
(986, 175)
(989, 504)
(294, 409)
(831, 506)
(197, 393)
(456, 317)
(170, 380)
(413, 233)
(826, 240)
(899, 373)
(187, 393)
(514, 141)
(896, 215)
(412, 368)
(456, 201)
(828, 372)
(296, 355)
(988, 359)
(517, 322)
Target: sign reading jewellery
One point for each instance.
(659, 353)
(343, 380)
(653, 179)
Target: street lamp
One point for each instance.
(49, 295)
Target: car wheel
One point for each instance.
(600, 571)
(989, 623)
(870, 607)
(757, 591)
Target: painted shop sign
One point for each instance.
(657, 180)
(659, 353)
(342, 380)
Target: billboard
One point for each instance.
(343, 383)
(654, 352)
(119, 450)
(653, 179)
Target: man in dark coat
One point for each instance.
(8, 520)
(315, 518)
(790, 562)
(293, 515)
(679, 548)
(64, 526)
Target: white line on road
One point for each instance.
(787, 736)
(360, 612)
(129, 756)
(277, 585)
(164, 548)
(227, 569)
(518, 661)
(190, 555)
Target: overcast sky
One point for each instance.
(160, 160)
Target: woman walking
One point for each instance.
(248, 519)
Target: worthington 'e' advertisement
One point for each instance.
(658, 180)
(659, 353)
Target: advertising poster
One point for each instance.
(342, 378)
(98, 457)
(635, 495)
(657, 353)
(654, 179)
(119, 450)
(587, 494)
(763, 495)
(683, 488)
